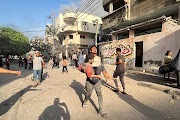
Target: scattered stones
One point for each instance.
(171, 101)
(175, 97)
(170, 92)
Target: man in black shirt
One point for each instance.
(120, 69)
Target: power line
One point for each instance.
(34, 31)
(83, 9)
(88, 13)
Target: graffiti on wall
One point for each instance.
(110, 51)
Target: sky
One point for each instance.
(31, 15)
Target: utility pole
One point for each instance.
(54, 31)
(97, 29)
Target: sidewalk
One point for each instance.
(150, 80)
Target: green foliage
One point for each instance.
(38, 44)
(72, 48)
(13, 42)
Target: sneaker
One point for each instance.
(84, 104)
(124, 92)
(116, 90)
(102, 114)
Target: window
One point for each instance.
(148, 29)
(70, 36)
(82, 36)
(122, 36)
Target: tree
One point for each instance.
(72, 48)
(13, 42)
(38, 44)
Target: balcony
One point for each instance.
(69, 18)
(116, 17)
(68, 28)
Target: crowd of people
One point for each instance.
(89, 64)
(5, 61)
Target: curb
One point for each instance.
(159, 87)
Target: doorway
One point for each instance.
(139, 54)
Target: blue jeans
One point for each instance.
(35, 72)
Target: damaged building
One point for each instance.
(143, 29)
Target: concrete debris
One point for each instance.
(175, 97)
(171, 101)
(170, 92)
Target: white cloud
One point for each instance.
(74, 6)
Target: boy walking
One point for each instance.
(64, 65)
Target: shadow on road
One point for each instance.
(7, 104)
(56, 111)
(144, 109)
(7, 78)
(44, 76)
(79, 89)
(152, 79)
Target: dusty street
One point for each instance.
(60, 97)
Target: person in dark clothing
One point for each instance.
(20, 61)
(57, 62)
(120, 69)
(25, 62)
(54, 61)
(1, 62)
(7, 63)
(30, 61)
(176, 65)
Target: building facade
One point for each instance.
(77, 29)
(144, 30)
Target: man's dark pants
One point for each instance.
(178, 77)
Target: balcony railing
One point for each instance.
(117, 16)
(69, 18)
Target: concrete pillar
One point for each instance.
(111, 7)
(131, 33)
(114, 37)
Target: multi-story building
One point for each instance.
(77, 28)
(143, 29)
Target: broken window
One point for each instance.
(82, 36)
(70, 36)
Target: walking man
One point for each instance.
(120, 70)
(96, 83)
(25, 62)
(74, 58)
(37, 66)
(81, 59)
